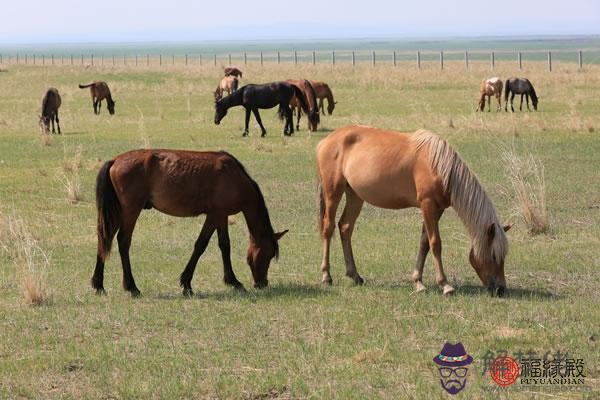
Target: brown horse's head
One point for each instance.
(110, 104)
(331, 107)
(220, 111)
(490, 266)
(260, 253)
(44, 123)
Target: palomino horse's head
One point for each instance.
(260, 253)
(220, 111)
(111, 106)
(44, 123)
(490, 266)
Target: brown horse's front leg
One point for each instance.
(224, 245)
(185, 279)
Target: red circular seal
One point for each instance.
(504, 371)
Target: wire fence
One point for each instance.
(333, 57)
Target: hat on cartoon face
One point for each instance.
(453, 355)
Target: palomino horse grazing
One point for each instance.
(100, 91)
(398, 170)
(232, 71)
(520, 86)
(311, 102)
(228, 84)
(490, 87)
(50, 105)
(182, 184)
(253, 97)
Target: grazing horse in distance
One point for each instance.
(398, 170)
(182, 184)
(253, 97)
(233, 71)
(520, 86)
(490, 87)
(228, 84)
(99, 91)
(324, 92)
(50, 105)
(311, 102)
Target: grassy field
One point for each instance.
(296, 339)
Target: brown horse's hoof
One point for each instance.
(448, 290)
(419, 287)
(188, 293)
(358, 280)
(100, 292)
(135, 293)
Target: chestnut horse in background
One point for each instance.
(228, 84)
(50, 105)
(99, 91)
(490, 87)
(182, 184)
(311, 102)
(398, 170)
(324, 92)
(233, 71)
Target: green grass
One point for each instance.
(295, 339)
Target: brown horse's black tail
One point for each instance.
(109, 210)
(86, 86)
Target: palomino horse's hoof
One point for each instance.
(448, 290)
(327, 280)
(419, 287)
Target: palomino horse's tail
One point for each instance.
(321, 201)
(86, 86)
(109, 210)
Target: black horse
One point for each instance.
(268, 95)
(50, 105)
(520, 86)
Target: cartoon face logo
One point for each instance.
(452, 365)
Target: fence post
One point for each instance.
(245, 59)
(173, 60)
(52, 59)
(295, 57)
(353, 60)
(200, 59)
(394, 58)
(549, 61)
(26, 57)
(82, 59)
(441, 59)
(124, 59)
(71, 59)
(136, 60)
(102, 59)
(492, 60)
(186, 59)
(17, 58)
(580, 54)
(278, 58)
(418, 59)
(373, 57)
(333, 58)
(261, 58)
(92, 59)
(147, 59)
(62, 59)
(229, 58)
(467, 60)
(160, 59)
(314, 58)
(520, 59)
(215, 60)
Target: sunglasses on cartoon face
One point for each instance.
(459, 372)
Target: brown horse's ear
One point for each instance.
(491, 232)
(507, 227)
(279, 235)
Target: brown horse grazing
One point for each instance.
(228, 84)
(311, 98)
(183, 184)
(233, 71)
(100, 91)
(490, 87)
(523, 87)
(398, 170)
(50, 105)
(324, 92)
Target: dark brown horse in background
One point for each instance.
(324, 92)
(311, 109)
(50, 105)
(523, 87)
(99, 91)
(182, 184)
(232, 71)
(255, 97)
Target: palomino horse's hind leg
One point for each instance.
(331, 198)
(128, 221)
(206, 232)
(346, 225)
(423, 250)
(431, 216)
(224, 245)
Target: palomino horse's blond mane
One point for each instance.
(467, 197)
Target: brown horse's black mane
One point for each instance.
(263, 213)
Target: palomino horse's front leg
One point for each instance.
(423, 250)
(346, 225)
(185, 280)
(224, 245)
(431, 215)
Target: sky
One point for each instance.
(81, 21)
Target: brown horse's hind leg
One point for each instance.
(224, 245)
(185, 279)
(57, 122)
(431, 216)
(298, 120)
(346, 225)
(128, 221)
(332, 194)
(521, 105)
(423, 250)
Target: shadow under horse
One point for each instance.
(254, 97)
